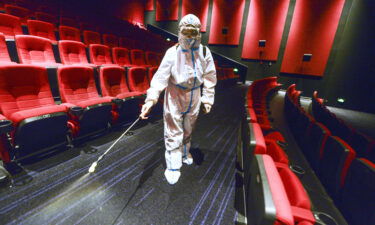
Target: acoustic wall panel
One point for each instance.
(198, 8)
(264, 29)
(166, 10)
(129, 10)
(311, 36)
(149, 6)
(226, 22)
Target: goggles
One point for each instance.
(189, 31)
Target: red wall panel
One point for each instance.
(266, 21)
(198, 8)
(166, 10)
(312, 31)
(226, 14)
(149, 5)
(132, 11)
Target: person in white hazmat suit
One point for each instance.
(184, 68)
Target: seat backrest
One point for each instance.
(152, 58)
(41, 29)
(32, 49)
(137, 57)
(69, 33)
(362, 144)
(100, 54)
(91, 37)
(358, 195)
(266, 199)
(315, 141)
(76, 83)
(10, 25)
(23, 87)
(46, 17)
(113, 81)
(121, 56)
(72, 52)
(137, 79)
(4, 54)
(110, 40)
(18, 11)
(151, 72)
(333, 166)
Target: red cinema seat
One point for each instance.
(333, 166)
(121, 56)
(26, 100)
(100, 55)
(77, 89)
(110, 40)
(315, 141)
(137, 79)
(91, 37)
(113, 84)
(358, 196)
(297, 195)
(69, 33)
(10, 26)
(18, 11)
(42, 29)
(137, 57)
(276, 152)
(152, 58)
(35, 50)
(73, 53)
(46, 17)
(266, 197)
(4, 54)
(151, 72)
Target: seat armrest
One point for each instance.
(5, 125)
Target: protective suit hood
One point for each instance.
(189, 35)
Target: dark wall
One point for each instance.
(350, 69)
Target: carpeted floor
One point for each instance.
(128, 186)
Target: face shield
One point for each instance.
(189, 32)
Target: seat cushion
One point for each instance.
(297, 194)
(24, 114)
(276, 152)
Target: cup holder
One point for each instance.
(76, 110)
(297, 170)
(324, 219)
(5, 126)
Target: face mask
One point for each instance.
(188, 43)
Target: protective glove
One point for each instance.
(146, 108)
(206, 108)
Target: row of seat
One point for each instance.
(36, 50)
(258, 94)
(364, 145)
(333, 161)
(11, 26)
(265, 163)
(32, 121)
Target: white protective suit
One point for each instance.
(181, 73)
